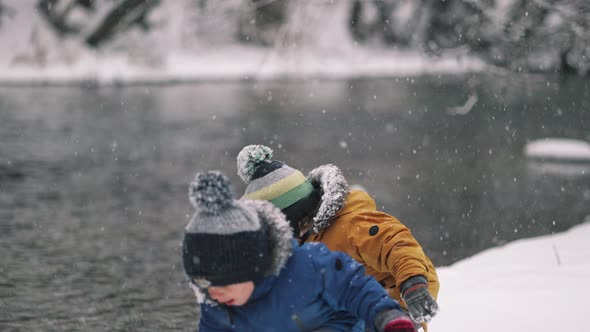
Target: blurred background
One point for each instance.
(108, 108)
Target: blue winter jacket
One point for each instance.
(316, 290)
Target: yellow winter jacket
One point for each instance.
(380, 242)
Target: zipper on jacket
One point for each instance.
(229, 316)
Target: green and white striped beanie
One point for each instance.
(271, 180)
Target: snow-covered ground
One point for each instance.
(236, 63)
(540, 284)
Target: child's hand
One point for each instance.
(421, 306)
(394, 320)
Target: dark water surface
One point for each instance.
(93, 181)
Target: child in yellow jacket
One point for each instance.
(321, 207)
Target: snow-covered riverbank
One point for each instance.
(538, 284)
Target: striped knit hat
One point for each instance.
(274, 181)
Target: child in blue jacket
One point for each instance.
(250, 275)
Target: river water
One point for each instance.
(93, 180)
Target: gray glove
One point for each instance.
(421, 306)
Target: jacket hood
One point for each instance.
(359, 201)
(334, 189)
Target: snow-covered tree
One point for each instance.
(522, 35)
(110, 18)
(532, 35)
(5, 11)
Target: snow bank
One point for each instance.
(562, 156)
(238, 62)
(538, 284)
(558, 148)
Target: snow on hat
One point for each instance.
(226, 242)
(274, 181)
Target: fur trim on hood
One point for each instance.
(334, 188)
(279, 231)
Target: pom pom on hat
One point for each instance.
(210, 192)
(249, 158)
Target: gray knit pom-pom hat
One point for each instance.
(225, 242)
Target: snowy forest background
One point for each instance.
(465, 119)
(520, 35)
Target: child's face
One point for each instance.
(235, 294)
